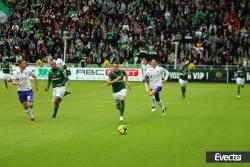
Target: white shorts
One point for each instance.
(6, 76)
(58, 92)
(240, 81)
(117, 95)
(183, 82)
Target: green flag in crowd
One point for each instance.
(5, 12)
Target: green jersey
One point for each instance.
(5, 67)
(183, 72)
(58, 77)
(241, 71)
(118, 86)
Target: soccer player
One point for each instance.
(21, 78)
(58, 78)
(145, 66)
(6, 68)
(156, 75)
(116, 79)
(241, 75)
(183, 77)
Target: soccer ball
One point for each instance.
(122, 130)
(191, 66)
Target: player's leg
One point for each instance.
(117, 104)
(122, 107)
(146, 86)
(57, 101)
(122, 95)
(183, 87)
(238, 82)
(152, 94)
(28, 111)
(238, 90)
(183, 90)
(243, 82)
(24, 98)
(6, 81)
(146, 83)
(30, 100)
(58, 94)
(153, 103)
(66, 91)
(160, 103)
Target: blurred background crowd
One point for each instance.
(207, 32)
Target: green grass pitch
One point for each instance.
(84, 133)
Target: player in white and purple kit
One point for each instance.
(145, 66)
(21, 78)
(156, 76)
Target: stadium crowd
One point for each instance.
(213, 32)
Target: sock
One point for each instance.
(6, 84)
(153, 101)
(28, 111)
(66, 93)
(183, 91)
(122, 107)
(238, 90)
(161, 105)
(117, 104)
(55, 110)
(146, 86)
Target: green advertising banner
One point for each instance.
(42, 72)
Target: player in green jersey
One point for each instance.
(241, 75)
(6, 68)
(116, 79)
(183, 77)
(58, 78)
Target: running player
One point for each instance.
(58, 78)
(6, 68)
(183, 77)
(241, 75)
(21, 78)
(116, 79)
(156, 76)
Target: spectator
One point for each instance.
(105, 63)
(119, 29)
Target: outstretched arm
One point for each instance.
(166, 74)
(35, 79)
(49, 82)
(127, 83)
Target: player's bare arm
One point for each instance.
(36, 83)
(127, 83)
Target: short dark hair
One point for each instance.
(155, 59)
(20, 61)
